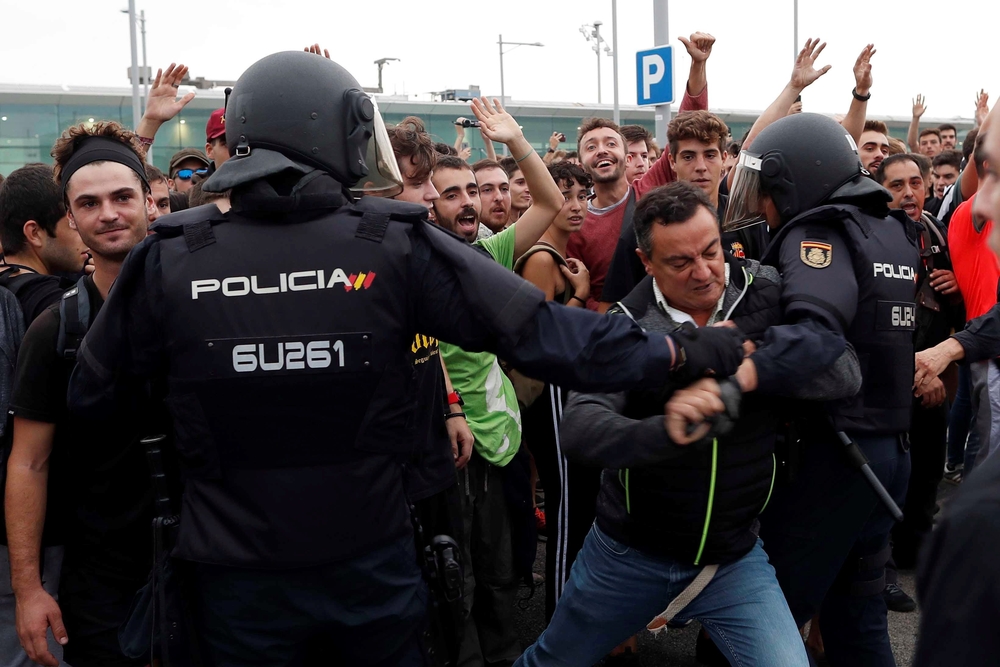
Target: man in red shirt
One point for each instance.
(602, 152)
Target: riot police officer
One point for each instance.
(282, 330)
(848, 266)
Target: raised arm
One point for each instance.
(699, 47)
(804, 74)
(491, 153)
(913, 134)
(162, 104)
(854, 121)
(546, 198)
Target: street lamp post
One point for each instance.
(136, 106)
(592, 32)
(501, 43)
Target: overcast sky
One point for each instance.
(453, 44)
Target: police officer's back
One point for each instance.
(848, 269)
(283, 330)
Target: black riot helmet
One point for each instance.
(799, 162)
(313, 112)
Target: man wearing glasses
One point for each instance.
(184, 165)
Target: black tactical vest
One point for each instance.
(885, 260)
(291, 382)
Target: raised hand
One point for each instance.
(982, 107)
(805, 73)
(863, 70)
(495, 123)
(919, 106)
(162, 103)
(698, 45)
(315, 49)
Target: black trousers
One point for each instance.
(570, 492)
(827, 537)
(94, 604)
(928, 447)
(367, 611)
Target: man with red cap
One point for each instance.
(215, 138)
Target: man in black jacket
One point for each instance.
(677, 513)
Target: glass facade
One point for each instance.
(31, 121)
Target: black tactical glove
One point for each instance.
(707, 351)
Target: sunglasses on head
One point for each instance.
(186, 174)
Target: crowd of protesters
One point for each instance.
(515, 460)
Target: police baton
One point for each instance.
(154, 457)
(860, 461)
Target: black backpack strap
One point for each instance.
(74, 320)
(629, 208)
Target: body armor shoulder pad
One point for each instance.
(376, 212)
(400, 211)
(195, 224)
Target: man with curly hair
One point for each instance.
(83, 478)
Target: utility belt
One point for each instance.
(160, 626)
(440, 560)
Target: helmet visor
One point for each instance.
(383, 179)
(745, 207)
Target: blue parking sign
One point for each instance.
(655, 75)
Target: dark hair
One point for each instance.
(410, 140)
(930, 130)
(734, 148)
(67, 144)
(667, 204)
(951, 157)
(451, 162)
(969, 143)
(947, 126)
(700, 125)
(29, 193)
(197, 196)
(590, 124)
(510, 165)
(893, 159)
(876, 126)
(486, 164)
(566, 173)
(634, 133)
(442, 148)
(179, 201)
(979, 154)
(153, 174)
(924, 163)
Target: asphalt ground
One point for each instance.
(676, 647)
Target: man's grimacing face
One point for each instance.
(458, 207)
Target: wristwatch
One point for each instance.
(455, 398)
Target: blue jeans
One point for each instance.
(961, 423)
(614, 591)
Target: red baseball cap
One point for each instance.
(216, 126)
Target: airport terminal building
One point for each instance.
(33, 116)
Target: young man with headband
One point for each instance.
(84, 477)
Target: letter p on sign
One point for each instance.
(654, 76)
